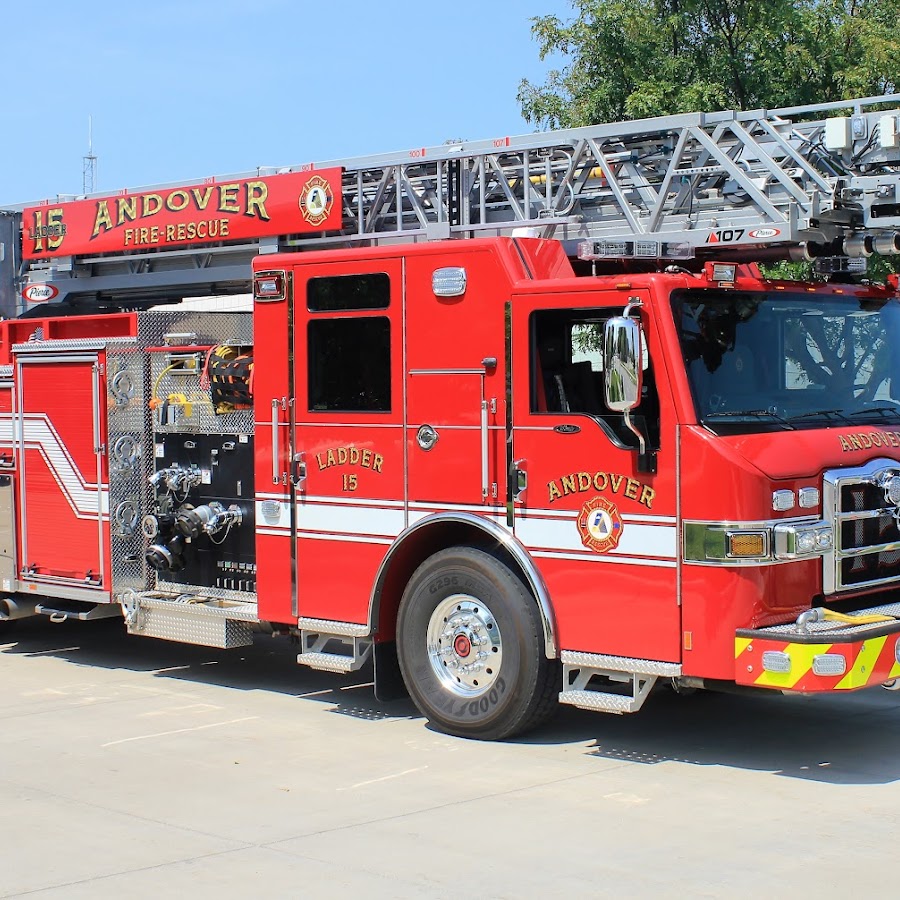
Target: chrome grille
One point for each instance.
(866, 536)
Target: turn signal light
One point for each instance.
(829, 664)
(776, 661)
(747, 544)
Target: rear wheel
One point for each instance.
(471, 647)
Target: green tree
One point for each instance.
(627, 59)
(630, 59)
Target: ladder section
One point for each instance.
(700, 180)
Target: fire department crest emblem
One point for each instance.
(599, 525)
(316, 200)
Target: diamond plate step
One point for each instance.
(598, 701)
(326, 626)
(327, 662)
(627, 664)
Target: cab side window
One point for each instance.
(349, 356)
(567, 372)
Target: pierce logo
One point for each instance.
(600, 525)
(40, 293)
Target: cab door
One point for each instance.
(347, 455)
(602, 532)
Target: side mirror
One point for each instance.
(623, 363)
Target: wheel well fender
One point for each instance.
(436, 532)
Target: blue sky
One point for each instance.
(182, 90)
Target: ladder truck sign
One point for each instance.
(241, 209)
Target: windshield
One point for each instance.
(762, 361)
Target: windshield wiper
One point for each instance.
(750, 413)
(825, 413)
(885, 411)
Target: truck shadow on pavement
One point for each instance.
(848, 739)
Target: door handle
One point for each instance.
(298, 471)
(519, 480)
(484, 449)
(99, 447)
(276, 449)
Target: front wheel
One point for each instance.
(471, 647)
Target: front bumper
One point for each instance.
(821, 656)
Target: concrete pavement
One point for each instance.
(136, 768)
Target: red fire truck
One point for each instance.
(520, 421)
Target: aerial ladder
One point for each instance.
(808, 181)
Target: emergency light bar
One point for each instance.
(642, 249)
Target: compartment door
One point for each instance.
(60, 448)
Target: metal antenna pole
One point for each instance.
(89, 167)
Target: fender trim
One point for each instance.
(508, 541)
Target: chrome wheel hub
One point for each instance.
(464, 645)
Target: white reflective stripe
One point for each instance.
(334, 501)
(348, 538)
(318, 536)
(648, 520)
(334, 519)
(353, 502)
(495, 516)
(573, 515)
(637, 540)
(40, 435)
(281, 520)
(429, 508)
(606, 558)
(387, 519)
(354, 520)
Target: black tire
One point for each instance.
(459, 604)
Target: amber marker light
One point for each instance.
(747, 544)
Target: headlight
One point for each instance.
(802, 539)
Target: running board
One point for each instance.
(333, 646)
(580, 670)
(60, 610)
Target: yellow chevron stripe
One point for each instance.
(864, 665)
(895, 670)
(801, 662)
(740, 645)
